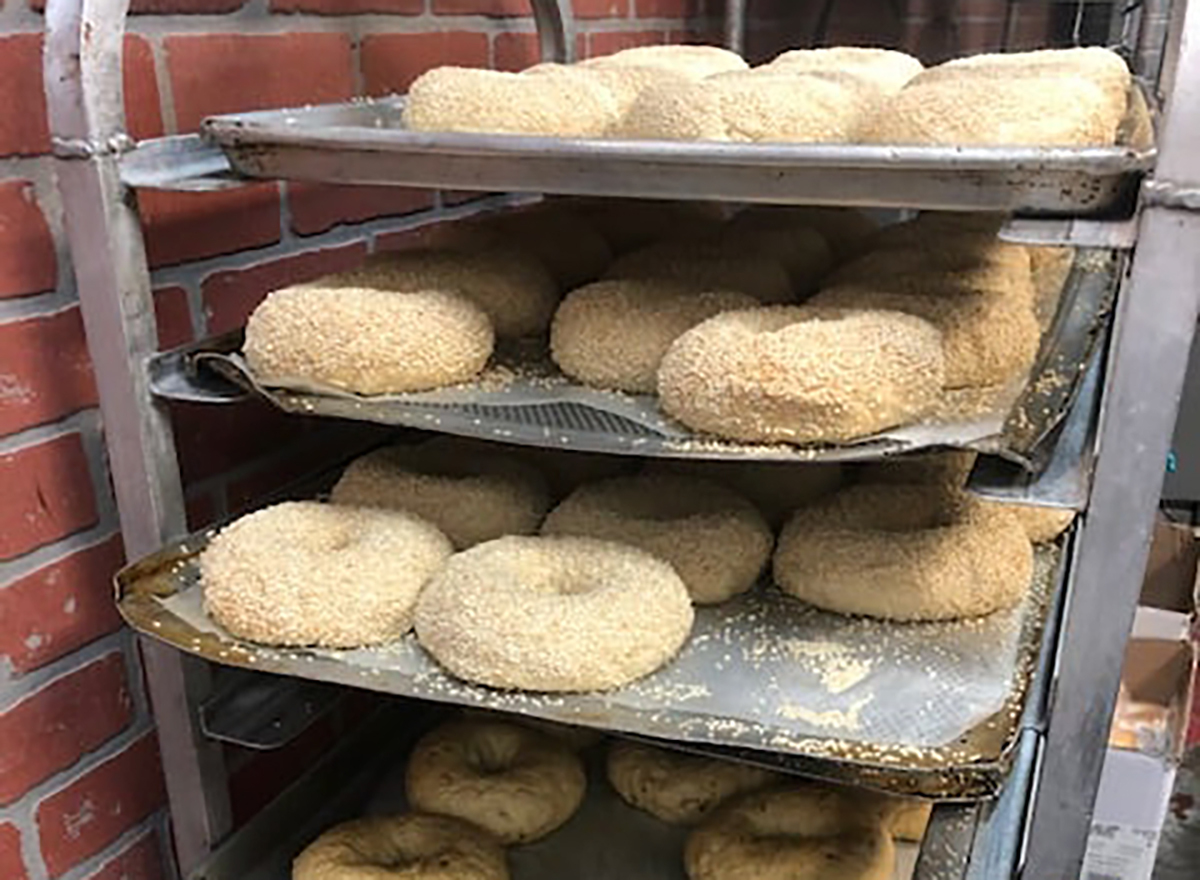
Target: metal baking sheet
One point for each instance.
(927, 708)
(522, 398)
(605, 840)
(366, 142)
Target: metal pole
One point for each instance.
(555, 21)
(1153, 335)
(735, 25)
(85, 101)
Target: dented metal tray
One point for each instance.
(522, 398)
(927, 708)
(366, 142)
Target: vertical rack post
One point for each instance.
(82, 76)
(1155, 323)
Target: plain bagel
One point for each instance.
(282, 575)
(677, 787)
(512, 781)
(714, 538)
(471, 496)
(415, 846)
(802, 374)
(905, 553)
(809, 833)
(693, 62)
(554, 614)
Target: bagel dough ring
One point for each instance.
(845, 230)
(774, 488)
(694, 62)
(802, 374)
(416, 846)
(885, 69)
(306, 573)
(905, 553)
(1033, 111)
(612, 334)
(513, 287)
(989, 338)
(710, 265)
(554, 614)
(676, 787)
(713, 537)
(471, 496)
(514, 782)
(1042, 524)
(751, 106)
(801, 250)
(562, 103)
(810, 833)
(416, 341)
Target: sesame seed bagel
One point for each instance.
(513, 287)
(1033, 111)
(845, 230)
(905, 553)
(564, 103)
(714, 538)
(612, 334)
(472, 497)
(886, 69)
(419, 340)
(554, 614)
(1042, 524)
(415, 846)
(991, 336)
(514, 782)
(282, 575)
(801, 250)
(694, 62)
(774, 488)
(809, 833)
(750, 106)
(801, 374)
(676, 787)
(710, 265)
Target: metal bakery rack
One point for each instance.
(1010, 734)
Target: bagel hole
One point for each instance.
(492, 755)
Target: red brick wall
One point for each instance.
(81, 794)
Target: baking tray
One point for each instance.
(522, 398)
(926, 708)
(365, 142)
(605, 839)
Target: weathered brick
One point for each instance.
(512, 8)
(181, 226)
(45, 370)
(184, 7)
(91, 812)
(24, 130)
(316, 208)
(27, 261)
(390, 62)
(141, 860)
(47, 494)
(12, 863)
(681, 9)
(60, 607)
(173, 317)
(350, 7)
(515, 51)
(607, 42)
(227, 73)
(52, 728)
(230, 295)
(143, 110)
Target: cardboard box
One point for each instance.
(1149, 731)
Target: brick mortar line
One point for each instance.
(23, 812)
(14, 690)
(40, 172)
(89, 867)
